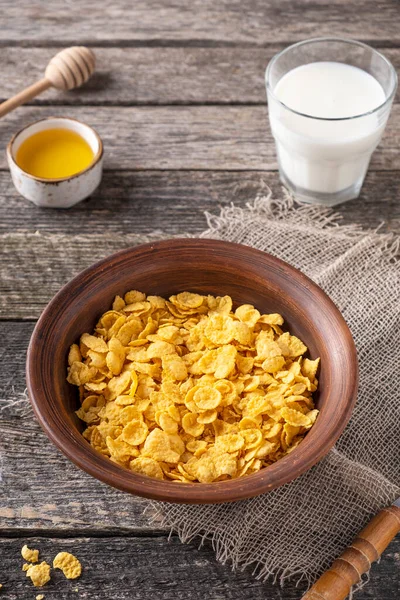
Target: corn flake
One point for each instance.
(30, 555)
(190, 389)
(94, 342)
(230, 442)
(39, 574)
(135, 432)
(69, 565)
(248, 314)
(158, 447)
(207, 398)
(294, 417)
(188, 300)
(191, 425)
(146, 466)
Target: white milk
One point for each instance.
(326, 156)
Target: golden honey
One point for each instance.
(54, 153)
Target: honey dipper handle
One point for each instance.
(346, 571)
(27, 94)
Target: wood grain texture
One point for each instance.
(154, 568)
(48, 266)
(173, 202)
(40, 488)
(40, 253)
(188, 137)
(171, 137)
(133, 569)
(173, 53)
(133, 76)
(253, 22)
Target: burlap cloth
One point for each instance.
(298, 529)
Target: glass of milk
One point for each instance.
(329, 100)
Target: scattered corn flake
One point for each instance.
(118, 385)
(312, 416)
(252, 437)
(40, 597)
(69, 565)
(188, 390)
(128, 414)
(39, 574)
(174, 413)
(29, 555)
(118, 303)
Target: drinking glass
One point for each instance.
(324, 160)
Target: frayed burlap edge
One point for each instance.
(292, 215)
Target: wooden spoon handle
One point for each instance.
(346, 571)
(27, 94)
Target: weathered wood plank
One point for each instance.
(170, 138)
(195, 137)
(40, 488)
(148, 568)
(253, 22)
(129, 205)
(132, 76)
(174, 202)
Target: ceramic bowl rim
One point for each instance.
(237, 489)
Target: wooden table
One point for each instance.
(179, 101)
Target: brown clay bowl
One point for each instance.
(204, 266)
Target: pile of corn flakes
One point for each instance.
(190, 390)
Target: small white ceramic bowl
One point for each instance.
(65, 191)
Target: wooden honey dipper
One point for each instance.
(68, 69)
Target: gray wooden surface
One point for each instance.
(179, 100)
